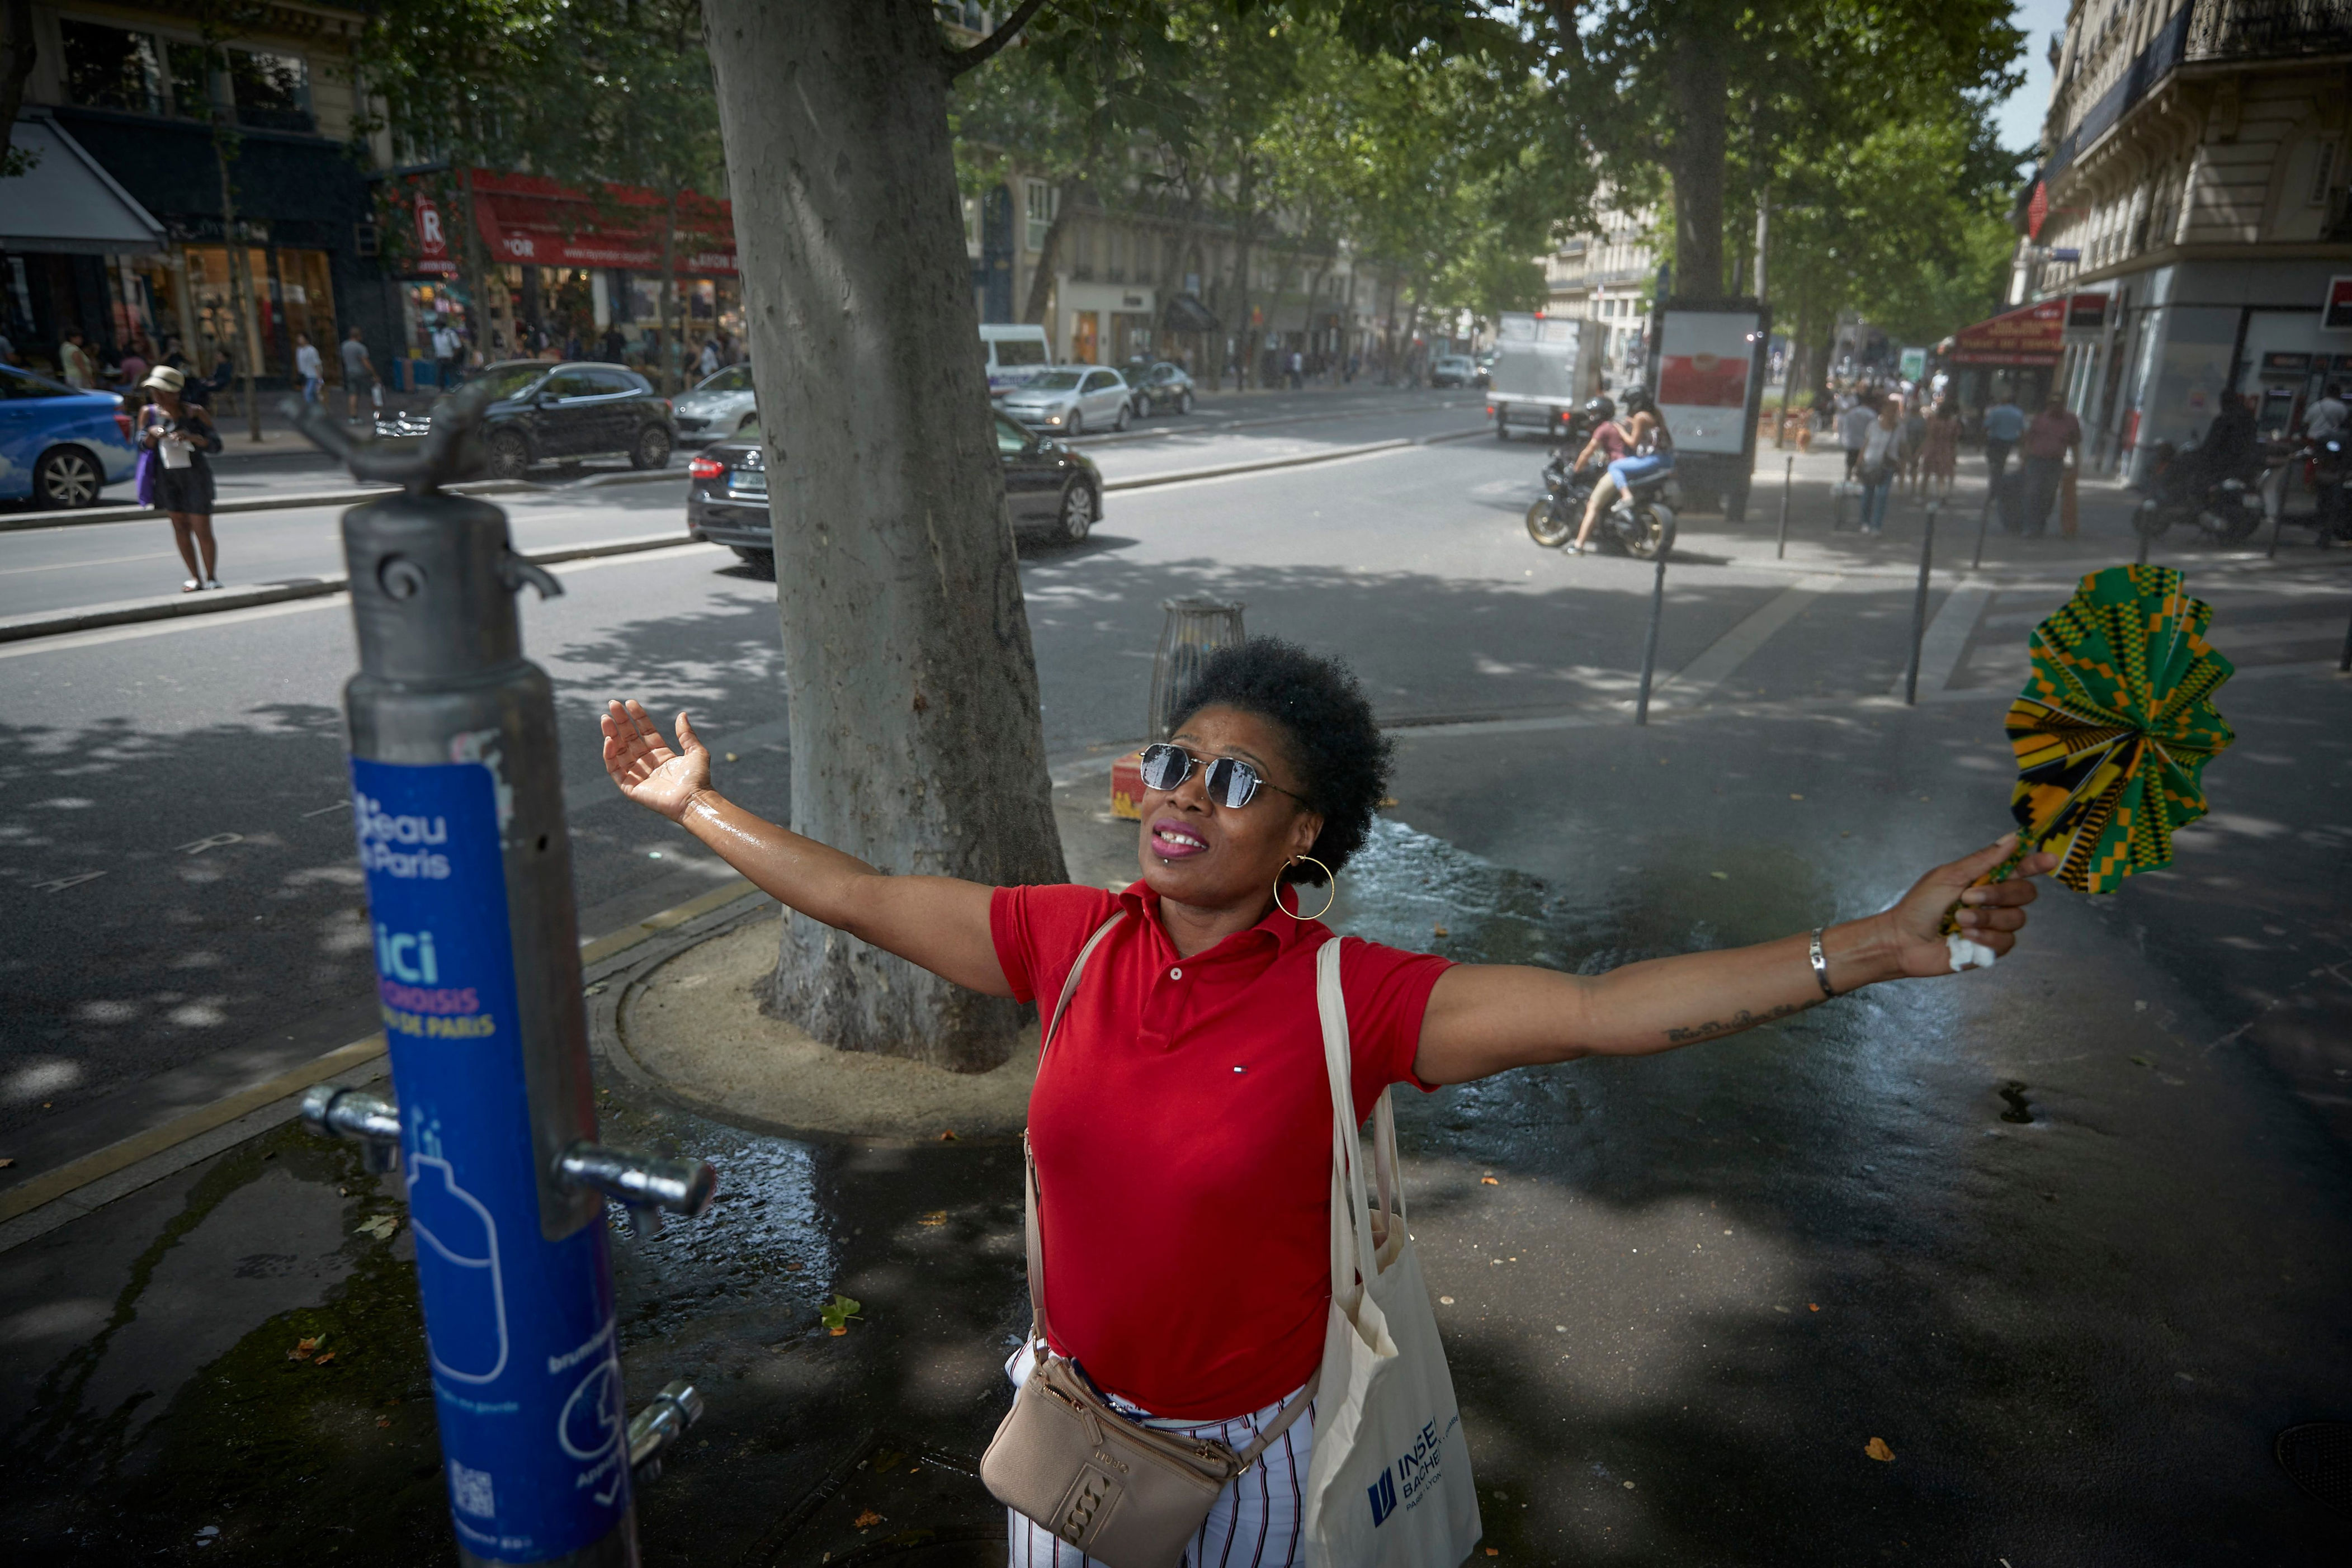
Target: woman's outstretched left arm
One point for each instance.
(1483, 1018)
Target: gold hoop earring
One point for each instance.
(1331, 882)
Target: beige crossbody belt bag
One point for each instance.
(1126, 1495)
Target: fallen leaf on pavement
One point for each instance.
(383, 1420)
(303, 1348)
(949, 1136)
(1438, 929)
(1877, 1449)
(1812, 1306)
(1488, 1182)
(1796, 797)
(936, 1217)
(324, 1358)
(1720, 875)
(380, 1226)
(6, 1163)
(837, 1312)
(867, 1519)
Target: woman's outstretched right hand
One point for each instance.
(644, 766)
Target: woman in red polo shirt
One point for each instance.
(1186, 1086)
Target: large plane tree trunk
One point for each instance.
(915, 743)
(1696, 164)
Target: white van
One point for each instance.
(1017, 355)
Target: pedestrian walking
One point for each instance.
(74, 362)
(2328, 417)
(447, 349)
(359, 378)
(1181, 1125)
(1882, 461)
(1853, 432)
(175, 474)
(2004, 422)
(1297, 370)
(2047, 443)
(1915, 445)
(709, 364)
(1939, 461)
(308, 367)
(135, 367)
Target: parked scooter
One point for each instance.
(2328, 469)
(2227, 508)
(1640, 523)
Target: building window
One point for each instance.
(106, 67)
(191, 70)
(1039, 203)
(272, 93)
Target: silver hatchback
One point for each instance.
(1071, 399)
(720, 404)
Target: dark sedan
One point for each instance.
(542, 411)
(1054, 492)
(1159, 387)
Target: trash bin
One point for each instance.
(1194, 629)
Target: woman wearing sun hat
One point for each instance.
(175, 436)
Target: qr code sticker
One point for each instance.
(470, 1489)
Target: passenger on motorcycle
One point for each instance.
(1653, 454)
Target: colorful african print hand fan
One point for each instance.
(2114, 729)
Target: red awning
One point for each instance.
(537, 221)
(2029, 335)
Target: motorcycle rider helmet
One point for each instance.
(1600, 408)
(1637, 399)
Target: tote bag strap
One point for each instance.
(1034, 1240)
(1354, 1252)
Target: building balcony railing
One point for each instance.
(2268, 29)
(2203, 32)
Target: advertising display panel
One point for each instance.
(1707, 360)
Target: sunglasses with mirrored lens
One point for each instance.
(1231, 784)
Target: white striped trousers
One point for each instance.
(1255, 1521)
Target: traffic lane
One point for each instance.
(175, 854)
(1182, 449)
(66, 568)
(2045, 1231)
(1414, 565)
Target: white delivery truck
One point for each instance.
(1015, 356)
(1545, 367)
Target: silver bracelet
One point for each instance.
(1821, 963)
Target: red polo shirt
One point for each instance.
(1182, 1132)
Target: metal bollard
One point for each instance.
(1920, 607)
(1984, 522)
(2273, 493)
(2344, 665)
(1788, 483)
(456, 793)
(1650, 643)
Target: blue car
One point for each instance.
(58, 446)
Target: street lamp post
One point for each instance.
(458, 806)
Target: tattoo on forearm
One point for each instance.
(1743, 1019)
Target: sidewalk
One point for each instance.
(2069, 1237)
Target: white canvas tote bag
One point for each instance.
(1390, 1485)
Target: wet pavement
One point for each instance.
(2070, 1240)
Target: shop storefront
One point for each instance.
(1105, 324)
(79, 248)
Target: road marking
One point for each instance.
(66, 640)
(60, 884)
(212, 841)
(66, 565)
(1948, 638)
(1697, 681)
(34, 1191)
(338, 806)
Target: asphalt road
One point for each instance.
(2069, 1236)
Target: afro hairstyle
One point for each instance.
(1341, 756)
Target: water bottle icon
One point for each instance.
(457, 1265)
